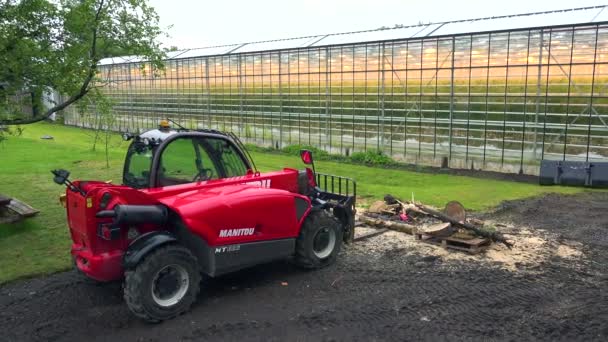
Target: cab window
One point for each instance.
(193, 159)
(137, 165)
(183, 161)
(228, 158)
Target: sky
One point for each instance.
(198, 23)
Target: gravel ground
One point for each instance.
(385, 288)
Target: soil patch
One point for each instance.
(581, 217)
(387, 287)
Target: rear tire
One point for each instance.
(164, 284)
(319, 241)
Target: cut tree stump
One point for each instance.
(455, 210)
(442, 228)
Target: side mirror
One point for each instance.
(306, 156)
(127, 136)
(60, 176)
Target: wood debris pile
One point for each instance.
(419, 219)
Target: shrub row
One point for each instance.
(371, 157)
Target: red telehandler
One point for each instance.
(192, 203)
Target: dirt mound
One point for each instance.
(582, 217)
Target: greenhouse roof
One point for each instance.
(583, 15)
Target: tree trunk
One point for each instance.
(398, 226)
(494, 236)
(107, 151)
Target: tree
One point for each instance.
(56, 45)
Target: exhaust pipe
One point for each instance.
(136, 214)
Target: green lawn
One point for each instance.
(41, 245)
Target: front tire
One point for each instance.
(319, 241)
(163, 285)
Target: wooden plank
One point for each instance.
(8, 216)
(472, 242)
(21, 208)
(10, 219)
(4, 200)
(473, 246)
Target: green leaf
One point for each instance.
(56, 46)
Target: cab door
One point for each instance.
(196, 157)
(227, 158)
(182, 161)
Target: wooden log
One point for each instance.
(411, 207)
(398, 226)
(380, 207)
(476, 221)
(494, 236)
(376, 207)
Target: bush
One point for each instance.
(372, 158)
(255, 148)
(5, 131)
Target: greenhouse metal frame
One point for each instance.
(499, 99)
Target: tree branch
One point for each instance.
(84, 89)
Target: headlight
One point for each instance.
(63, 200)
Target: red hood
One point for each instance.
(208, 197)
(270, 212)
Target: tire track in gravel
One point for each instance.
(370, 301)
(395, 295)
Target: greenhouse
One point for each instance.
(500, 93)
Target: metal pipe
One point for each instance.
(523, 133)
(380, 126)
(591, 94)
(568, 97)
(451, 100)
(504, 115)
